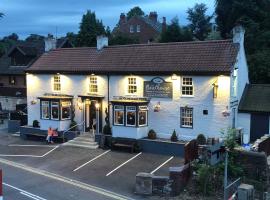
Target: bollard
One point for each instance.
(1, 185)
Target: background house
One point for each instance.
(144, 28)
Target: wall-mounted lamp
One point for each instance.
(174, 77)
(87, 102)
(157, 107)
(97, 105)
(33, 102)
(226, 112)
(215, 90)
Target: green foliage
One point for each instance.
(201, 140)
(174, 33)
(90, 28)
(107, 130)
(136, 11)
(174, 137)
(229, 138)
(36, 123)
(152, 134)
(122, 39)
(200, 23)
(73, 125)
(254, 15)
(34, 38)
(72, 37)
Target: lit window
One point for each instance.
(12, 80)
(132, 85)
(55, 110)
(45, 110)
(131, 29)
(118, 115)
(187, 86)
(142, 115)
(66, 109)
(130, 115)
(138, 28)
(186, 117)
(93, 87)
(56, 83)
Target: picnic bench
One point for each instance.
(124, 143)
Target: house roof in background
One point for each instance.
(216, 57)
(12, 92)
(256, 98)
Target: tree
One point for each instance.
(72, 37)
(13, 37)
(122, 39)
(90, 28)
(34, 38)
(200, 23)
(254, 15)
(136, 11)
(174, 33)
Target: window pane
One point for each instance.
(187, 117)
(45, 113)
(56, 83)
(131, 118)
(66, 109)
(119, 117)
(142, 117)
(55, 110)
(187, 86)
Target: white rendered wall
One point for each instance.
(244, 123)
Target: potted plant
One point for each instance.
(152, 134)
(36, 124)
(201, 139)
(174, 137)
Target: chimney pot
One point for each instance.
(50, 43)
(102, 41)
(153, 16)
(122, 18)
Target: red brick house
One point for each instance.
(144, 28)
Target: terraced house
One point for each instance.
(192, 87)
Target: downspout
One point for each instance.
(108, 93)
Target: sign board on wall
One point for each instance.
(157, 88)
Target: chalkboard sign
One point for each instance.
(158, 88)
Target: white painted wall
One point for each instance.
(244, 124)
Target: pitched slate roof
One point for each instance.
(155, 25)
(183, 57)
(256, 98)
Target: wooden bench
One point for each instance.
(124, 143)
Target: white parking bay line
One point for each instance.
(30, 145)
(123, 164)
(162, 165)
(49, 151)
(91, 160)
(23, 192)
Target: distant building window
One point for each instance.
(138, 28)
(54, 110)
(12, 80)
(45, 110)
(187, 86)
(56, 83)
(132, 85)
(186, 116)
(93, 87)
(118, 115)
(130, 115)
(66, 110)
(131, 29)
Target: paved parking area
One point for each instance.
(112, 170)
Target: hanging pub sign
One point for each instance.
(158, 88)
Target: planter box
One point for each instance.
(163, 147)
(14, 126)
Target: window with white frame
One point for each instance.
(186, 115)
(131, 29)
(93, 86)
(132, 85)
(118, 115)
(66, 110)
(187, 86)
(57, 83)
(142, 115)
(130, 115)
(138, 28)
(45, 110)
(54, 110)
(234, 83)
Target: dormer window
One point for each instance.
(131, 29)
(57, 83)
(93, 86)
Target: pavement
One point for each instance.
(113, 171)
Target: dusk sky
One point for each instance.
(42, 17)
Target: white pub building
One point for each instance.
(192, 87)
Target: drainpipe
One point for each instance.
(108, 93)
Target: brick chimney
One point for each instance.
(50, 43)
(122, 18)
(102, 41)
(153, 16)
(164, 25)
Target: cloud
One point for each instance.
(42, 17)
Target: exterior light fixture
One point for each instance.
(87, 102)
(97, 105)
(215, 90)
(226, 112)
(157, 107)
(58, 73)
(174, 77)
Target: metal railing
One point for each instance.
(63, 134)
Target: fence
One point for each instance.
(231, 189)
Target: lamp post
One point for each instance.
(97, 105)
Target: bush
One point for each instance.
(174, 137)
(107, 130)
(152, 134)
(229, 138)
(73, 125)
(36, 124)
(201, 140)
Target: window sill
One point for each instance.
(187, 96)
(190, 127)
